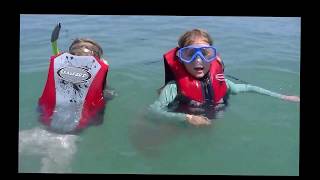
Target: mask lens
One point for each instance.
(187, 53)
(209, 53)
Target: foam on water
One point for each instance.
(56, 150)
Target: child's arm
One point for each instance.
(236, 88)
(159, 107)
(54, 39)
(108, 92)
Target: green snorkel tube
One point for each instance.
(54, 39)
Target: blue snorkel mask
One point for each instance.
(205, 52)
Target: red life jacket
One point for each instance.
(73, 81)
(191, 87)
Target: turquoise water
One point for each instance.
(258, 135)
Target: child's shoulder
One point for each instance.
(171, 83)
(170, 86)
(167, 88)
(169, 91)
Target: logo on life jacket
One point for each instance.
(74, 74)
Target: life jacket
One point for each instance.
(73, 93)
(192, 92)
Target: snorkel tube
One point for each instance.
(54, 38)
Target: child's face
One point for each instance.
(198, 68)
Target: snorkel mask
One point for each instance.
(189, 53)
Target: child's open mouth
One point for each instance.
(198, 68)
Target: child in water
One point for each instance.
(195, 87)
(75, 92)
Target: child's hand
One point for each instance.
(291, 98)
(197, 120)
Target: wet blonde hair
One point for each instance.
(85, 47)
(190, 36)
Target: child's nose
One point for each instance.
(198, 59)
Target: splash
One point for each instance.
(66, 118)
(56, 150)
